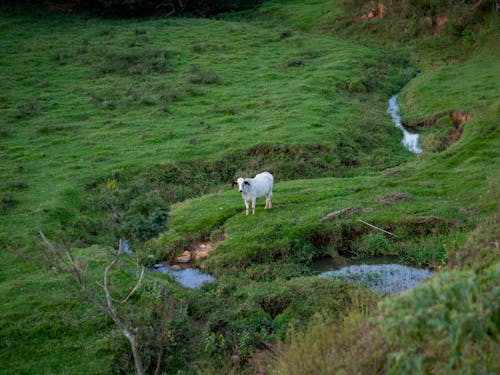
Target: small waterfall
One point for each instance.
(410, 141)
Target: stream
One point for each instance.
(384, 278)
(410, 140)
(187, 277)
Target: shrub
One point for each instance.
(460, 308)
(145, 217)
(329, 346)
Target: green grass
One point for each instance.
(107, 123)
(82, 99)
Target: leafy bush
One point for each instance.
(460, 308)
(144, 218)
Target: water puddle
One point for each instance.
(328, 263)
(187, 277)
(387, 279)
(410, 140)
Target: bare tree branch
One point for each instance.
(54, 258)
(131, 337)
(136, 285)
(375, 227)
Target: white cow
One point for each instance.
(257, 187)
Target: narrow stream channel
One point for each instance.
(384, 278)
(410, 140)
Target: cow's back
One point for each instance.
(265, 176)
(263, 184)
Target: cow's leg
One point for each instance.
(269, 200)
(253, 204)
(246, 205)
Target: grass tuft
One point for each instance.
(136, 63)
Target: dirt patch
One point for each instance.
(202, 249)
(435, 24)
(344, 211)
(392, 198)
(438, 23)
(377, 11)
(197, 250)
(458, 118)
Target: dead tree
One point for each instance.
(62, 261)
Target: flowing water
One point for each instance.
(410, 140)
(384, 278)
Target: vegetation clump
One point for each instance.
(141, 63)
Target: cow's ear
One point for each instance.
(247, 183)
(234, 183)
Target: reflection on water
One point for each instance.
(188, 277)
(386, 279)
(329, 263)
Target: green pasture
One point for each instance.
(136, 128)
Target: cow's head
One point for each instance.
(243, 184)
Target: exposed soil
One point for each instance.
(392, 198)
(377, 11)
(458, 118)
(199, 249)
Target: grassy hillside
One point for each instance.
(117, 128)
